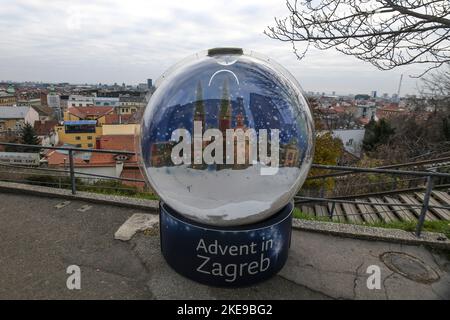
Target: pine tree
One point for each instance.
(28, 136)
(377, 133)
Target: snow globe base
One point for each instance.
(225, 256)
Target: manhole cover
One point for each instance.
(409, 267)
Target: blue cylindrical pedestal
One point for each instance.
(225, 256)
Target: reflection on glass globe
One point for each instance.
(227, 137)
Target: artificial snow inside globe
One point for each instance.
(227, 137)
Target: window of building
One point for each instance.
(90, 145)
(77, 138)
(89, 137)
(78, 145)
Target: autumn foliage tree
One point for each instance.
(328, 150)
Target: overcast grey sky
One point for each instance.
(129, 41)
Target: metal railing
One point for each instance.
(71, 171)
(429, 177)
(354, 181)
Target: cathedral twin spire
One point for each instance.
(225, 108)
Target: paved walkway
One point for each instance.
(39, 241)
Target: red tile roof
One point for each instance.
(118, 142)
(391, 107)
(117, 119)
(84, 112)
(56, 158)
(338, 109)
(43, 128)
(363, 121)
(133, 173)
(110, 142)
(389, 110)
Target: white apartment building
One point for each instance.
(76, 100)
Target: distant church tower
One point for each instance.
(225, 120)
(199, 110)
(199, 115)
(225, 112)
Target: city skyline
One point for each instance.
(98, 42)
(138, 84)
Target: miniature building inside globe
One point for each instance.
(227, 138)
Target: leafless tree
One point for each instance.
(437, 83)
(386, 33)
(435, 90)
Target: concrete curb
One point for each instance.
(429, 239)
(135, 203)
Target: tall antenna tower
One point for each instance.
(399, 87)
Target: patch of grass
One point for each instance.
(109, 187)
(137, 194)
(430, 226)
(147, 196)
(114, 187)
(402, 225)
(438, 226)
(304, 216)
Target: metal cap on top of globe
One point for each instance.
(227, 137)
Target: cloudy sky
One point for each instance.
(129, 41)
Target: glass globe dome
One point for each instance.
(227, 137)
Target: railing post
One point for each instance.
(72, 174)
(322, 189)
(330, 213)
(425, 204)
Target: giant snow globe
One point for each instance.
(227, 137)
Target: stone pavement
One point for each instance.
(40, 239)
(339, 266)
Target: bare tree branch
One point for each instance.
(386, 33)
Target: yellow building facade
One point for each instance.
(10, 124)
(127, 109)
(7, 100)
(120, 129)
(81, 137)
